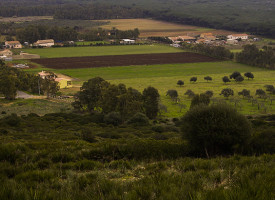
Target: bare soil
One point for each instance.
(122, 60)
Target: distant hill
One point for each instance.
(253, 16)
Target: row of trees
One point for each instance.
(101, 34)
(251, 55)
(12, 80)
(98, 95)
(33, 33)
(235, 75)
(212, 51)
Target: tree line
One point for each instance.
(212, 51)
(86, 10)
(32, 33)
(253, 56)
(120, 102)
(12, 80)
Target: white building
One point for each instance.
(44, 43)
(238, 36)
(127, 41)
(13, 44)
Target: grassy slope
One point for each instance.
(99, 51)
(165, 77)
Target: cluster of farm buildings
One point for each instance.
(208, 38)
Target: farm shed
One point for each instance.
(238, 36)
(44, 43)
(127, 41)
(13, 44)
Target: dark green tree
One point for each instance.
(227, 92)
(249, 75)
(90, 94)
(208, 78)
(234, 75)
(215, 130)
(225, 79)
(239, 79)
(180, 83)
(193, 79)
(244, 93)
(8, 86)
(151, 102)
(261, 93)
(190, 93)
(200, 99)
(173, 94)
(209, 93)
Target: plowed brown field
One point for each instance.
(122, 60)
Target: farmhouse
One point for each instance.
(127, 41)
(174, 39)
(231, 41)
(44, 43)
(187, 38)
(238, 36)
(62, 82)
(208, 36)
(13, 44)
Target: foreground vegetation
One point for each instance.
(70, 156)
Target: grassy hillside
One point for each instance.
(75, 157)
(100, 51)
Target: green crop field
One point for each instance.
(100, 51)
(165, 77)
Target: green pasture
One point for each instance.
(87, 43)
(101, 50)
(165, 77)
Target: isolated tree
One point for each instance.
(200, 99)
(8, 86)
(150, 102)
(239, 79)
(225, 79)
(215, 130)
(193, 79)
(208, 78)
(180, 83)
(249, 75)
(209, 93)
(227, 92)
(244, 93)
(261, 93)
(189, 93)
(234, 75)
(269, 88)
(173, 94)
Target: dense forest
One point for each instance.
(255, 17)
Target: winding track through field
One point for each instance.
(122, 60)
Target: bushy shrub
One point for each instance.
(87, 135)
(216, 129)
(201, 99)
(264, 142)
(139, 119)
(113, 118)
